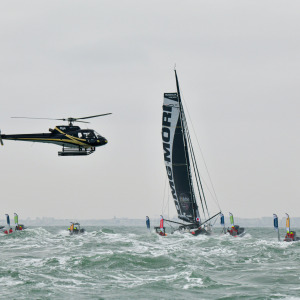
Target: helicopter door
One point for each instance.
(89, 136)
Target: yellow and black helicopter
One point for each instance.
(74, 140)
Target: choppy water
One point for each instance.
(129, 263)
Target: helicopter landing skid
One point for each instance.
(76, 151)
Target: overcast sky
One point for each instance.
(239, 69)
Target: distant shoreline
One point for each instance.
(245, 222)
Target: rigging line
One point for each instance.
(208, 188)
(197, 173)
(166, 199)
(186, 153)
(194, 167)
(214, 222)
(215, 194)
(186, 150)
(200, 189)
(169, 205)
(162, 209)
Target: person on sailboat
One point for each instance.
(232, 231)
(198, 223)
(71, 229)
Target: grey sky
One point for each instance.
(238, 64)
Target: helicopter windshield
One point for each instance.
(97, 134)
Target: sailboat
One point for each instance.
(235, 230)
(8, 230)
(276, 227)
(181, 167)
(18, 226)
(290, 235)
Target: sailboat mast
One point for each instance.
(194, 203)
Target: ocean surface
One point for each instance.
(131, 263)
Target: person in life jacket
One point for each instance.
(290, 235)
(19, 227)
(232, 231)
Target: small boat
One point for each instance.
(75, 229)
(18, 227)
(235, 230)
(275, 223)
(7, 229)
(222, 221)
(290, 235)
(161, 230)
(181, 167)
(148, 223)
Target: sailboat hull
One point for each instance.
(200, 231)
(195, 230)
(237, 231)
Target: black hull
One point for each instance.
(77, 231)
(200, 231)
(236, 231)
(191, 229)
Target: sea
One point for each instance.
(123, 262)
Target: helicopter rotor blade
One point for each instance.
(93, 116)
(81, 121)
(35, 118)
(70, 119)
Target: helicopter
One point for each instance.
(74, 140)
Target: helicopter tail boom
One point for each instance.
(1, 142)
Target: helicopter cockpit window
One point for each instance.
(80, 135)
(88, 135)
(97, 134)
